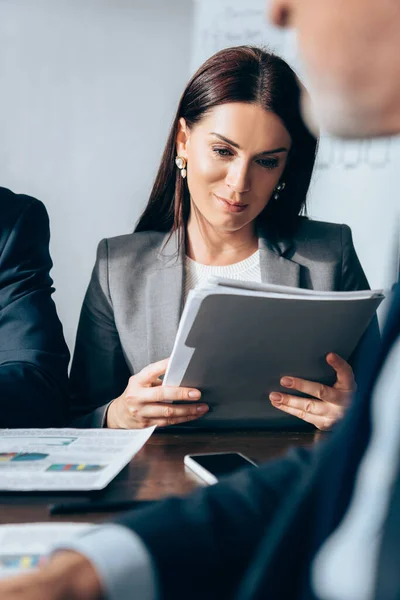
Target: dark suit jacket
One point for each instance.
(255, 535)
(132, 308)
(33, 354)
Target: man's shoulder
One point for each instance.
(13, 205)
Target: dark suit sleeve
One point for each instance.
(99, 371)
(201, 546)
(353, 278)
(33, 354)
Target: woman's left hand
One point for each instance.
(327, 405)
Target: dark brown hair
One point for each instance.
(239, 74)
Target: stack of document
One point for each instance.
(237, 339)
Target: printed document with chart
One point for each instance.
(236, 340)
(65, 459)
(26, 546)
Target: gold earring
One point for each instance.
(181, 164)
(279, 188)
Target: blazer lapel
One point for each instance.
(164, 296)
(164, 288)
(275, 268)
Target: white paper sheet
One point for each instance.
(24, 547)
(267, 290)
(65, 459)
(181, 354)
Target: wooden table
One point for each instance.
(158, 470)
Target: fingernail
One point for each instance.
(202, 408)
(287, 381)
(194, 394)
(275, 397)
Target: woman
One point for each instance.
(228, 194)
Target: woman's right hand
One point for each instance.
(146, 402)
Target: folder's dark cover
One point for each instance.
(245, 344)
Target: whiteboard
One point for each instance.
(355, 182)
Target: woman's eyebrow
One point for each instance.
(235, 145)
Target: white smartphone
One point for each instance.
(210, 467)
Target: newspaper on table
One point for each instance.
(24, 547)
(65, 459)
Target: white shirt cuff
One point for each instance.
(121, 559)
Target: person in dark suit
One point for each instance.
(33, 354)
(322, 524)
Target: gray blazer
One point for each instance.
(132, 307)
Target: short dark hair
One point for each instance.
(239, 74)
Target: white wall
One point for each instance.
(355, 182)
(88, 89)
(88, 92)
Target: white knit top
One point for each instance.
(245, 270)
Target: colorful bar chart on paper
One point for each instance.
(68, 468)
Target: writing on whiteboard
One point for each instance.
(352, 154)
(227, 23)
(223, 23)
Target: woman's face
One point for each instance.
(235, 158)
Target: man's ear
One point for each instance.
(182, 138)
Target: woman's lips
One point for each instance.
(231, 206)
